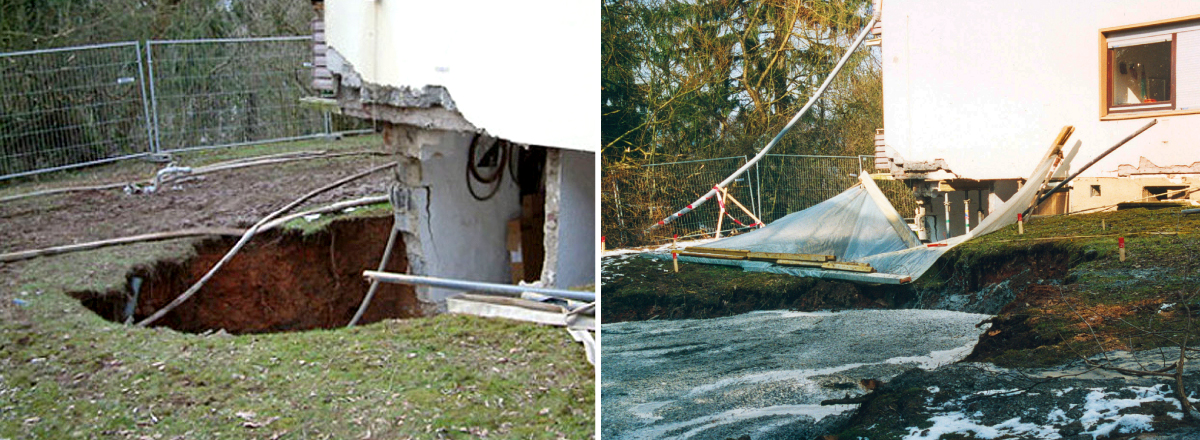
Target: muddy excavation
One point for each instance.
(280, 281)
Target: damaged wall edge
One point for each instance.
(429, 107)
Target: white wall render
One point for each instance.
(533, 77)
(987, 85)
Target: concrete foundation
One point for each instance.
(570, 228)
(1103, 193)
(447, 232)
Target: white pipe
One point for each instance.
(762, 153)
(468, 286)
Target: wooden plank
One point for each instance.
(785, 256)
(848, 266)
(1063, 135)
(799, 263)
(720, 256)
(709, 250)
(456, 304)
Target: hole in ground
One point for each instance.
(280, 281)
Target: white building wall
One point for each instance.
(461, 238)
(986, 85)
(527, 71)
(577, 220)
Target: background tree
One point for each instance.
(704, 79)
(39, 24)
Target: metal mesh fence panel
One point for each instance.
(634, 197)
(69, 107)
(219, 93)
(791, 183)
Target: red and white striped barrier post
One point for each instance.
(1020, 223)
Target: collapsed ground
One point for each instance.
(1058, 292)
(67, 371)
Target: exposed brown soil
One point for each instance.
(234, 198)
(278, 282)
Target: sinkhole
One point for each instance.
(280, 281)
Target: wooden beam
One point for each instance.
(783, 256)
(747, 211)
(1063, 135)
(719, 256)
(799, 263)
(721, 211)
(709, 250)
(848, 266)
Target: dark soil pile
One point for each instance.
(637, 288)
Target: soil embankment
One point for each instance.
(281, 281)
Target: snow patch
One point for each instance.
(959, 423)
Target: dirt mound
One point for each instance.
(280, 281)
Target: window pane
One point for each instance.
(1141, 74)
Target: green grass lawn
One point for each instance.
(67, 373)
(1100, 302)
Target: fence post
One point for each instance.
(150, 128)
(153, 96)
(758, 188)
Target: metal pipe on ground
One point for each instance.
(1063, 184)
(475, 286)
(387, 256)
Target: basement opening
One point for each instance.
(279, 282)
(1165, 192)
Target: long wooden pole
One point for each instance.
(747, 211)
(720, 213)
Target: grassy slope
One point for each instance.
(1100, 293)
(64, 372)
